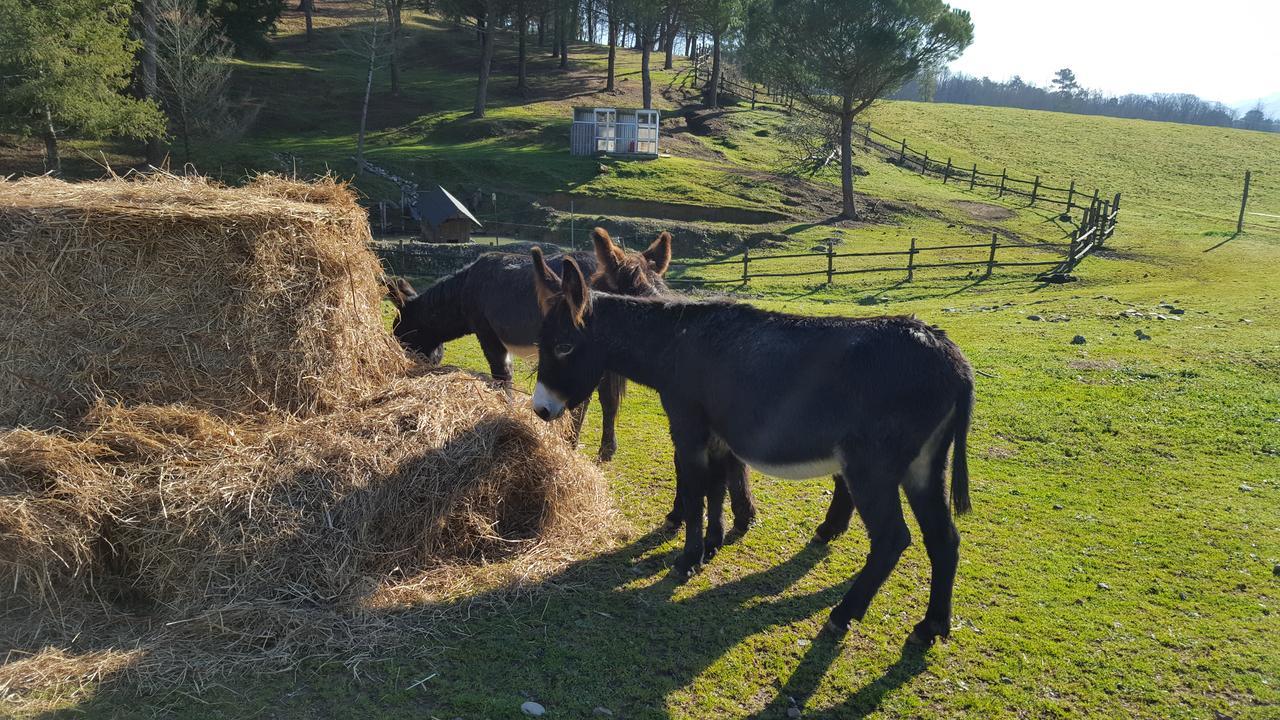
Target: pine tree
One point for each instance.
(64, 66)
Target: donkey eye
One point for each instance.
(563, 349)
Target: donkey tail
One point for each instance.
(959, 453)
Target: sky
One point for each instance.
(1225, 50)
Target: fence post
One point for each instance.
(911, 261)
(991, 259)
(973, 179)
(1003, 174)
(1094, 202)
(1035, 191)
(831, 256)
(1104, 222)
(1072, 247)
(946, 174)
(902, 154)
(1071, 195)
(924, 165)
(866, 140)
(1244, 200)
(746, 260)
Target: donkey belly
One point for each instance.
(803, 470)
(528, 352)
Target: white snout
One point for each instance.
(546, 404)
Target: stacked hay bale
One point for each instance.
(218, 433)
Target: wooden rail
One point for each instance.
(1077, 248)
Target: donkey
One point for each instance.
(877, 402)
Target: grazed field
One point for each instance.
(1123, 556)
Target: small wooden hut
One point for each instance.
(444, 219)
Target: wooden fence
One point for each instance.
(1098, 227)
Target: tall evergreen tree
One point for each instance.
(840, 57)
(64, 66)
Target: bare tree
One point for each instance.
(369, 45)
(192, 73)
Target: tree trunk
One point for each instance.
(393, 40)
(713, 85)
(308, 7)
(646, 82)
(522, 81)
(567, 16)
(150, 88)
(542, 29)
(364, 109)
(591, 21)
(669, 46)
(486, 60)
(52, 160)
(613, 51)
(848, 210)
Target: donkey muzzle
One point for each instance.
(546, 404)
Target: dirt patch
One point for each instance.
(983, 211)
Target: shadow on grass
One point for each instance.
(612, 631)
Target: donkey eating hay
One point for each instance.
(877, 402)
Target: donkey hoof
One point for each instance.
(926, 632)
(606, 453)
(834, 630)
(824, 535)
(672, 524)
(684, 570)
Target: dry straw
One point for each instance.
(302, 502)
(174, 289)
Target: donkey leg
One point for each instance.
(738, 479)
(496, 354)
(838, 514)
(692, 486)
(876, 500)
(675, 518)
(928, 499)
(579, 416)
(610, 393)
(715, 486)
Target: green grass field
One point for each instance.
(1123, 556)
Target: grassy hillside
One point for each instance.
(1123, 557)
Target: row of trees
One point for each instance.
(649, 26)
(1065, 94)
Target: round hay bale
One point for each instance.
(174, 289)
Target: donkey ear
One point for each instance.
(609, 255)
(659, 253)
(406, 289)
(576, 292)
(545, 282)
(395, 293)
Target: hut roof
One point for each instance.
(437, 206)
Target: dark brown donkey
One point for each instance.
(877, 402)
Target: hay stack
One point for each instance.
(177, 290)
(310, 491)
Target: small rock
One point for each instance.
(533, 708)
(602, 712)
(1182, 596)
(1057, 506)
(1035, 318)
(1103, 586)
(603, 169)
(1141, 335)
(1245, 487)
(1276, 570)
(1178, 311)
(1059, 318)
(1078, 340)
(793, 712)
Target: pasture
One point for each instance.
(1123, 555)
